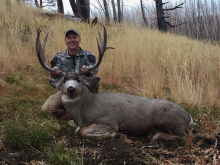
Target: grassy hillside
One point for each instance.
(153, 64)
(145, 62)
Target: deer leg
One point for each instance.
(98, 131)
(54, 105)
(164, 136)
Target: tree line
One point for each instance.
(193, 18)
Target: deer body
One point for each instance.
(123, 112)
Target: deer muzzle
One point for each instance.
(71, 91)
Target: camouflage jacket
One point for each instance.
(67, 63)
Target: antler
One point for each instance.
(102, 49)
(41, 52)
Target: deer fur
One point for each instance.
(104, 114)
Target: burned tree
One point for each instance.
(104, 8)
(114, 10)
(106, 11)
(161, 15)
(117, 14)
(143, 13)
(119, 11)
(42, 3)
(60, 6)
(81, 8)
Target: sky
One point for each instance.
(94, 4)
(128, 3)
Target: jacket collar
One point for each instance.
(80, 53)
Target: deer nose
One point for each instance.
(70, 89)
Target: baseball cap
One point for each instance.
(72, 31)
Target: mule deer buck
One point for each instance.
(104, 114)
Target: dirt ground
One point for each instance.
(123, 150)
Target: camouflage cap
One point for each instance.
(72, 31)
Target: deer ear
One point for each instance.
(90, 81)
(84, 81)
(95, 80)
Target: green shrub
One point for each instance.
(12, 78)
(21, 133)
(62, 156)
(38, 134)
(15, 133)
(2, 104)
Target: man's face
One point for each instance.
(72, 41)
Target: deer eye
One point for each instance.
(78, 80)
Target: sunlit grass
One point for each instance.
(151, 63)
(145, 62)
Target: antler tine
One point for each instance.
(100, 40)
(104, 45)
(41, 52)
(101, 49)
(105, 39)
(45, 40)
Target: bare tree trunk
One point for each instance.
(60, 6)
(85, 9)
(106, 11)
(75, 8)
(114, 10)
(36, 3)
(122, 9)
(41, 3)
(160, 16)
(119, 11)
(143, 13)
(199, 20)
(81, 8)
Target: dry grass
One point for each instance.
(149, 62)
(144, 62)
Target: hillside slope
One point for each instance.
(145, 62)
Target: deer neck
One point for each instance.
(74, 107)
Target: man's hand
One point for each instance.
(56, 74)
(84, 71)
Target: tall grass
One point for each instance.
(146, 61)
(23, 132)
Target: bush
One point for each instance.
(22, 133)
(61, 156)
